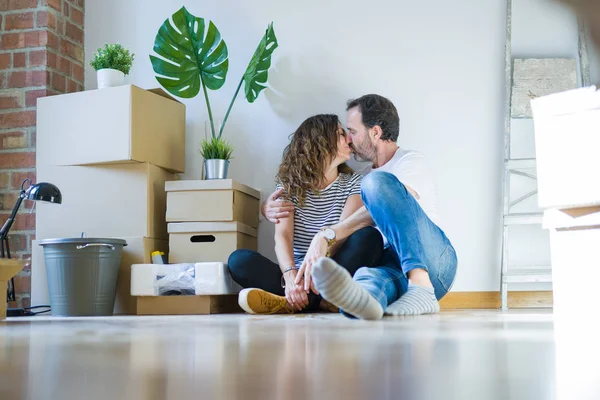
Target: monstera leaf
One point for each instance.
(197, 55)
(256, 74)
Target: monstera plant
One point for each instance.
(194, 57)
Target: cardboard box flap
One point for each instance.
(567, 102)
(587, 217)
(205, 227)
(213, 184)
(9, 267)
(162, 93)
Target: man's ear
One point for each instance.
(376, 132)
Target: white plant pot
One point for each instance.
(109, 77)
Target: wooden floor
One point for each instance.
(451, 355)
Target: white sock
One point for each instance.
(416, 301)
(337, 287)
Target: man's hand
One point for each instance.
(317, 249)
(294, 293)
(274, 209)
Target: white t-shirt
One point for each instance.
(410, 167)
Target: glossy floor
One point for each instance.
(452, 355)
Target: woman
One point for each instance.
(324, 191)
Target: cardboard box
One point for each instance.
(212, 200)
(111, 125)
(105, 201)
(567, 139)
(202, 278)
(574, 239)
(187, 305)
(191, 242)
(137, 251)
(9, 267)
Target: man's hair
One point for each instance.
(378, 110)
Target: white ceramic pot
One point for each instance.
(109, 77)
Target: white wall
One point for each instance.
(441, 62)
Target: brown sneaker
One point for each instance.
(258, 301)
(326, 306)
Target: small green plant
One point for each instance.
(216, 149)
(113, 56)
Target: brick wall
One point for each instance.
(41, 54)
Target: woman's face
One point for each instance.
(343, 147)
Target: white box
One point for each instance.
(123, 200)
(111, 125)
(191, 242)
(574, 241)
(567, 140)
(206, 278)
(211, 201)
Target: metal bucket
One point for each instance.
(216, 169)
(82, 274)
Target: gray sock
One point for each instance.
(337, 287)
(416, 301)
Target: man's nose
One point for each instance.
(348, 139)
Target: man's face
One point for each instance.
(358, 137)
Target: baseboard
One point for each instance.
(491, 300)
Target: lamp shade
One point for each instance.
(44, 191)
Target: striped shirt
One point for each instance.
(321, 210)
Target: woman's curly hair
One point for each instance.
(312, 148)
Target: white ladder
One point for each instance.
(524, 274)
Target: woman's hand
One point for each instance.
(317, 249)
(294, 293)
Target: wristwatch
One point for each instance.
(329, 235)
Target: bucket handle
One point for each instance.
(95, 245)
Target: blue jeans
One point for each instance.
(414, 241)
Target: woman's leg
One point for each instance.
(253, 270)
(364, 248)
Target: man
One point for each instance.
(419, 263)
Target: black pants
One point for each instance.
(364, 248)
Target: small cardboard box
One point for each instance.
(105, 201)
(111, 125)
(212, 201)
(567, 139)
(192, 242)
(187, 305)
(137, 251)
(9, 267)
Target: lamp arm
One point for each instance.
(11, 219)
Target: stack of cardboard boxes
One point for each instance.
(567, 135)
(110, 152)
(207, 221)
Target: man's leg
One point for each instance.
(365, 297)
(425, 254)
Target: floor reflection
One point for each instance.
(456, 355)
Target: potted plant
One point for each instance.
(112, 63)
(194, 57)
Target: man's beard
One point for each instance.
(365, 153)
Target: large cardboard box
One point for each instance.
(187, 305)
(567, 139)
(137, 251)
(105, 201)
(192, 242)
(111, 125)
(8, 268)
(212, 200)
